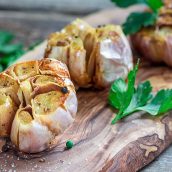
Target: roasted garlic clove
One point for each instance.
(70, 50)
(55, 115)
(9, 86)
(77, 63)
(23, 71)
(8, 109)
(28, 134)
(81, 29)
(58, 45)
(8, 103)
(39, 101)
(113, 57)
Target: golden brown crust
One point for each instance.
(168, 3)
(165, 17)
(54, 68)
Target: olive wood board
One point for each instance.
(99, 146)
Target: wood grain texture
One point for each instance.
(125, 147)
(161, 163)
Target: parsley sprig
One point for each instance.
(10, 52)
(137, 20)
(128, 99)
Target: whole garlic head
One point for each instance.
(94, 56)
(155, 43)
(41, 105)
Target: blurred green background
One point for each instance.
(65, 6)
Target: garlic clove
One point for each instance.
(7, 112)
(58, 46)
(26, 89)
(80, 29)
(29, 135)
(9, 86)
(23, 70)
(77, 64)
(70, 50)
(113, 55)
(71, 103)
(53, 67)
(50, 110)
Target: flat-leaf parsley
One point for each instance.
(128, 99)
(136, 20)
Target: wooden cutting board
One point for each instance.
(126, 146)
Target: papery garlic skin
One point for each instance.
(113, 55)
(29, 135)
(155, 45)
(96, 57)
(7, 112)
(9, 103)
(36, 109)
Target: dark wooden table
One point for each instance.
(33, 26)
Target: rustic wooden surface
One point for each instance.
(126, 146)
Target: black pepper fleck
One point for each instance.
(5, 148)
(64, 90)
(61, 161)
(42, 160)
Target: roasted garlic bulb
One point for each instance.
(155, 43)
(38, 102)
(94, 56)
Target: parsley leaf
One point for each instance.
(9, 52)
(154, 4)
(140, 97)
(9, 59)
(5, 37)
(117, 93)
(161, 103)
(128, 99)
(127, 3)
(137, 20)
(121, 92)
(10, 48)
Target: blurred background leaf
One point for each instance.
(5, 37)
(10, 52)
(127, 3)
